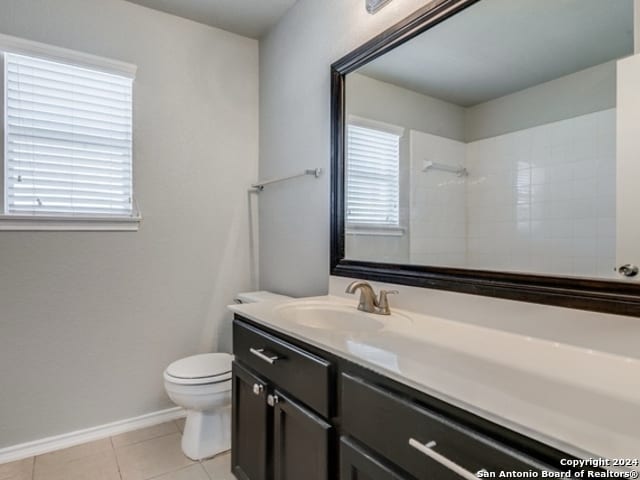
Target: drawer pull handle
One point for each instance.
(259, 352)
(427, 449)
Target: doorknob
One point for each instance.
(272, 400)
(628, 270)
(257, 389)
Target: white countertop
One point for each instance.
(583, 402)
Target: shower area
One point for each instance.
(538, 199)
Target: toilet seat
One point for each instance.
(204, 369)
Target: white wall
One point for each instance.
(385, 102)
(88, 321)
(295, 59)
(586, 91)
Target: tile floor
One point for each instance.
(150, 453)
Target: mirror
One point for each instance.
(488, 142)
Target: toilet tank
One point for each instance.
(259, 296)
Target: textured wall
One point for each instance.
(88, 321)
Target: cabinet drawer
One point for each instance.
(421, 442)
(358, 464)
(301, 374)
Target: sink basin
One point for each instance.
(336, 317)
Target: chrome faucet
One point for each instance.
(368, 301)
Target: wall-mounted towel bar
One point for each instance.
(259, 186)
(459, 171)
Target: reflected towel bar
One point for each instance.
(316, 172)
(459, 171)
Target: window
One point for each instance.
(67, 142)
(372, 177)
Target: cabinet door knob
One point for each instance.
(628, 270)
(257, 389)
(272, 400)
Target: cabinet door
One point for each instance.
(357, 464)
(301, 442)
(251, 426)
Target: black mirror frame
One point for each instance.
(606, 296)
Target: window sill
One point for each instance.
(68, 224)
(376, 231)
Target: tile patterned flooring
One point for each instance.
(149, 453)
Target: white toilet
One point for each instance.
(201, 384)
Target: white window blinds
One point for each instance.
(68, 140)
(372, 177)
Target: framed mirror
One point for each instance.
(491, 147)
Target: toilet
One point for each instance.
(201, 384)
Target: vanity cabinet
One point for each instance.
(302, 413)
(280, 394)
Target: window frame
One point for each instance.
(13, 222)
(352, 228)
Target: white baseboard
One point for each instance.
(50, 444)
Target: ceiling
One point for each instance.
(497, 47)
(251, 18)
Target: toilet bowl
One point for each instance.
(201, 384)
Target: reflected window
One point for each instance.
(373, 190)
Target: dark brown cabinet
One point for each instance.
(301, 442)
(279, 395)
(301, 413)
(251, 426)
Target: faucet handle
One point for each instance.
(383, 301)
(389, 292)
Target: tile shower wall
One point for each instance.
(543, 199)
(437, 217)
(538, 200)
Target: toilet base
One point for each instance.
(207, 433)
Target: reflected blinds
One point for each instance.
(372, 177)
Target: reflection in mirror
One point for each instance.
(489, 141)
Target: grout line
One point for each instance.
(115, 454)
(172, 471)
(33, 468)
(205, 471)
(137, 442)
